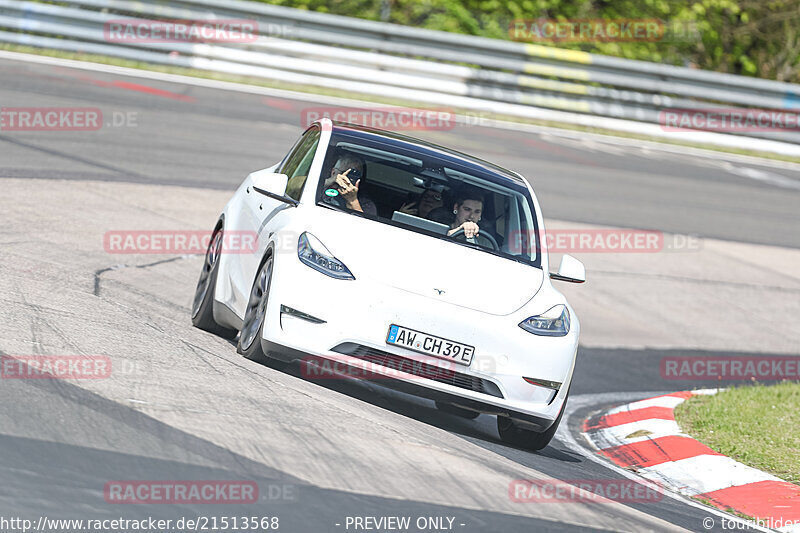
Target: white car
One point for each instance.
(402, 261)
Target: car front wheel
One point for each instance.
(255, 315)
(203, 303)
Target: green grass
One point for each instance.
(261, 82)
(758, 425)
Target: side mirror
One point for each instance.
(272, 185)
(570, 270)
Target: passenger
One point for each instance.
(348, 189)
(467, 209)
(422, 206)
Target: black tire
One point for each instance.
(456, 410)
(249, 344)
(203, 303)
(512, 434)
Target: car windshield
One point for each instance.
(429, 191)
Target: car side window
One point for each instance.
(299, 162)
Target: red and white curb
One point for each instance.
(644, 437)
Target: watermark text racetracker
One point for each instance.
(606, 241)
(544, 30)
(433, 368)
(736, 368)
(185, 242)
(64, 119)
(584, 491)
(68, 367)
(190, 31)
(729, 120)
(55, 367)
(391, 118)
(180, 492)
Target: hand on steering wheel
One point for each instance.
(473, 240)
(470, 229)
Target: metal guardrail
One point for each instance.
(402, 62)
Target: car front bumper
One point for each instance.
(342, 314)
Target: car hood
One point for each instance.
(423, 265)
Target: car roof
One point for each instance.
(425, 148)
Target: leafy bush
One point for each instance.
(751, 37)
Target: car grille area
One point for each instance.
(419, 368)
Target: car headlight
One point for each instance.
(314, 254)
(552, 323)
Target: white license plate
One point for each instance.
(430, 344)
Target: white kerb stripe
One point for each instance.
(706, 392)
(704, 473)
(659, 401)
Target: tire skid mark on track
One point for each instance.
(198, 351)
(39, 319)
(102, 271)
(154, 297)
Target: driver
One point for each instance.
(467, 209)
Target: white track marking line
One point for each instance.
(761, 175)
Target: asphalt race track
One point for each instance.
(182, 405)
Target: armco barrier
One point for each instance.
(435, 68)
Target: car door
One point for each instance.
(259, 210)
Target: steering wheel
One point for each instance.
(473, 240)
